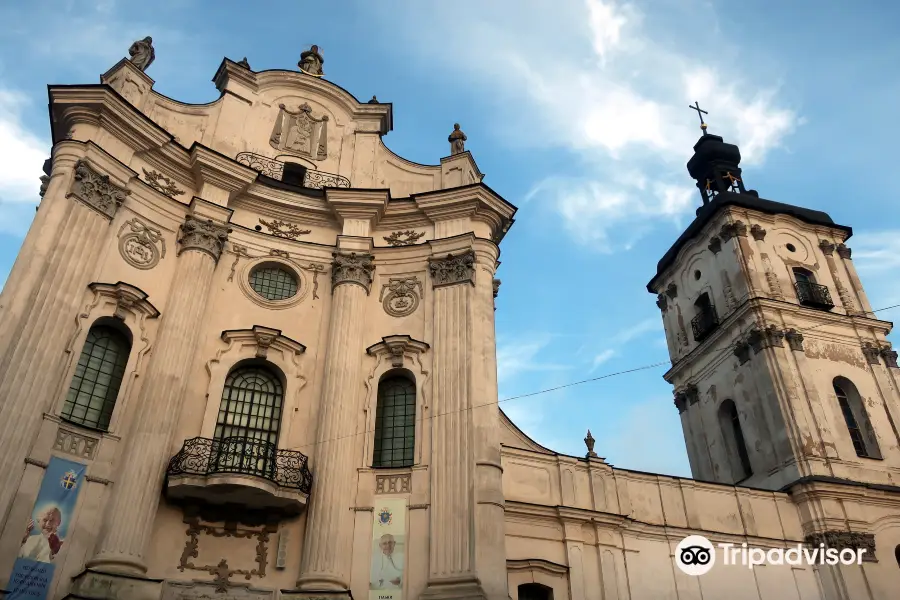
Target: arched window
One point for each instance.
(730, 422)
(808, 290)
(803, 276)
(98, 377)
(395, 422)
(855, 417)
(246, 436)
(251, 405)
(535, 591)
(897, 554)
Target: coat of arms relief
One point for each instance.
(300, 132)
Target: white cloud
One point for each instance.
(22, 156)
(622, 338)
(876, 255)
(603, 357)
(515, 357)
(596, 79)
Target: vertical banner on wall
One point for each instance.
(45, 532)
(388, 550)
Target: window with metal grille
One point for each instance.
(98, 376)
(856, 436)
(251, 405)
(535, 591)
(273, 283)
(395, 423)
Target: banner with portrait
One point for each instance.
(387, 575)
(44, 534)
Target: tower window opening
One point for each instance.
(294, 174)
(730, 422)
(810, 293)
(706, 320)
(856, 419)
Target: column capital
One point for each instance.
(453, 269)
(352, 268)
(203, 235)
(96, 190)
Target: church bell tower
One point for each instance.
(781, 369)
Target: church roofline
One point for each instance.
(708, 211)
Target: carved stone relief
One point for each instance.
(401, 298)
(281, 253)
(393, 484)
(206, 236)
(772, 278)
(769, 337)
(403, 238)
(75, 444)
(238, 252)
(283, 229)
(758, 232)
(352, 268)
(95, 190)
(161, 183)
(300, 132)
(222, 571)
(143, 247)
(453, 269)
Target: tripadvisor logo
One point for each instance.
(696, 555)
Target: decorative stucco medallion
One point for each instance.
(399, 296)
(300, 132)
(143, 247)
(95, 190)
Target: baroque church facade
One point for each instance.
(249, 353)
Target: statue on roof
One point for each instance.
(311, 62)
(141, 53)
(457, 140)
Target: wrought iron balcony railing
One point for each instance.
(275, 169)
(704, 323)
(813, 294)
(204, 456)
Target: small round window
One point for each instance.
(273, 283)
(790, 247)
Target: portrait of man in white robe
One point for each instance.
(45, 545)
(387, 565)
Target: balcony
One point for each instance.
(251, 474)
(814, 295)
(273, 168)
(704, 323)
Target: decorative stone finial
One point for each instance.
(589, 442)
(141, 53)
(311, 62)
(457, 140)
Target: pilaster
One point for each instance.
(453, 563)
(217, 177)
(31, 362)
(357, 211)
(141, 471)
(325, 564)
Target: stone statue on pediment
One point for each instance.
(141, 53)
(311, 62)
(457, 140)
(301, 133)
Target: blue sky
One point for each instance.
(577, 112)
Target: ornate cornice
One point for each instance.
(94, 189)
(397, 346)
(352, 268)
(453, 269)
(128, 298)
(263, 338)
(537, 564)
(205, 236)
